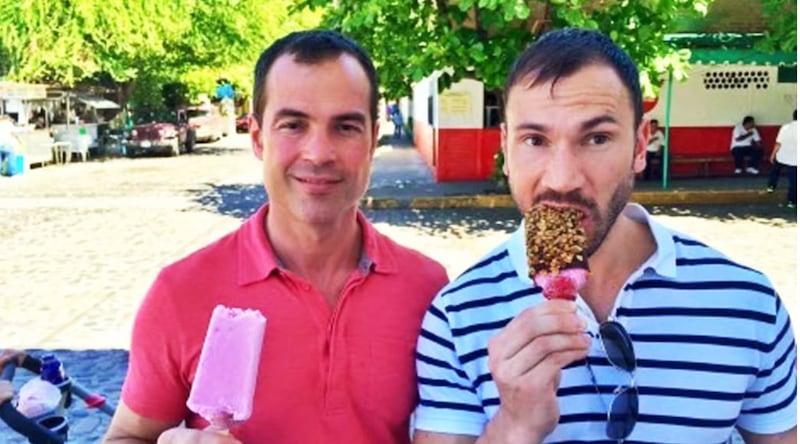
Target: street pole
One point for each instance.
(665, 157)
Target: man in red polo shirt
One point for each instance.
(343, 302)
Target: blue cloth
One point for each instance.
(11, 164)
(6, 157)
(225, 91)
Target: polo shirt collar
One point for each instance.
(257, 259)
(377, 252)
(662, 262)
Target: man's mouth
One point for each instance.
(318, 180)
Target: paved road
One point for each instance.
(82, 242)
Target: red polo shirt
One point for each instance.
(326, 376)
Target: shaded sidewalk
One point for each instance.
(402, 179)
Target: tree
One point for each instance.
(410, 39)
(781, 15)
(137, 46)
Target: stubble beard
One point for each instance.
(616, 204)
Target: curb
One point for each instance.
(706, 197)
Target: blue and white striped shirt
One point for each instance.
(714, 348)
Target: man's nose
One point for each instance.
(563, 171)
(318, 148)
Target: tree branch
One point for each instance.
(482, 33)
(544, 22)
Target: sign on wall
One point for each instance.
(455, 103)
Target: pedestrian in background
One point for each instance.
(655, 147)
(344, 303)
(668, 340)
(746, 143)
(10, 142)
(784, 155)
(397, 119)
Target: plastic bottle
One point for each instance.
(52, 370)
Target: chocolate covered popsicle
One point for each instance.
(555, 242)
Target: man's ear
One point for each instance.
(255, 137)
(640, 147)
(504, 148)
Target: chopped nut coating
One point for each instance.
(554, 237)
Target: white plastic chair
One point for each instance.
(71, 143)
(62, 151)
(81, 146)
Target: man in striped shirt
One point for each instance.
(669, 341)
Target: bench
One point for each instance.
(705, 161)
(704, 164)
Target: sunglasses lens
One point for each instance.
(623, 414)
(618, 345)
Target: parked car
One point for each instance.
(209, 125)
(243, 123)
(168, 133)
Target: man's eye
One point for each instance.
(599, 139)
(534, 141)
(291, 125)
(348, 128)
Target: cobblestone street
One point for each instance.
(82, 242)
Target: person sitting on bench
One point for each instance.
(654, 146)
(746, 142)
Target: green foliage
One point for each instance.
(410, 39)
(781, 16)
(140, 44)
(175, 94)
(498, 177)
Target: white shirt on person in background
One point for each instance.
(739, 131)
(8, 137)
(787, 137)
(656, 142)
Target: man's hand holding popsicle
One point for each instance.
(527, 356)
(191, 436)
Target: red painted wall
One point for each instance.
(711, 141)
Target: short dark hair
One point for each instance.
(747, 119)
(794, 115)
(654, 121)
(562, 52)
(311, 47)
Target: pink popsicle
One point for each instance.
(225, 381)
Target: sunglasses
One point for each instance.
(624, 409)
